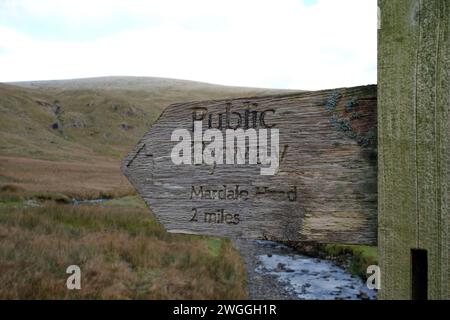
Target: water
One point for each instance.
(310, 278)
(77, 202)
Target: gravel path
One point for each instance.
(261, 286)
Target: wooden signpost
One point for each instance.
(322, 187)
(414, 161)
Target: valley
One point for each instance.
(65, 140)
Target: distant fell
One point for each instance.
(83, 118)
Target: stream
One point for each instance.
(277, 271)
(77, 202)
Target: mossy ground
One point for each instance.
(360, 256)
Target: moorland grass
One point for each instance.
(123, 253)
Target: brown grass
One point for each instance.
(122, 253)
(96, 178)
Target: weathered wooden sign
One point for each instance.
(291, 167)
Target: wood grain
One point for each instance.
(413, 106)
(325, 189)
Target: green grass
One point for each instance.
(12, 203)
(50, 196)
(9, 194)
(128, 201)
(361, 256)
(214, 246)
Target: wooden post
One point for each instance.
(414, 149)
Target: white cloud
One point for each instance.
(259, 43)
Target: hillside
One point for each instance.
(64, 140)
(78, 130)
(105, 116)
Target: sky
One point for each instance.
(286, 44)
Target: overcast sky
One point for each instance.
(296, 44)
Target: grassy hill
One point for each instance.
(104, 116)
(80, 129)
(61, 140)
